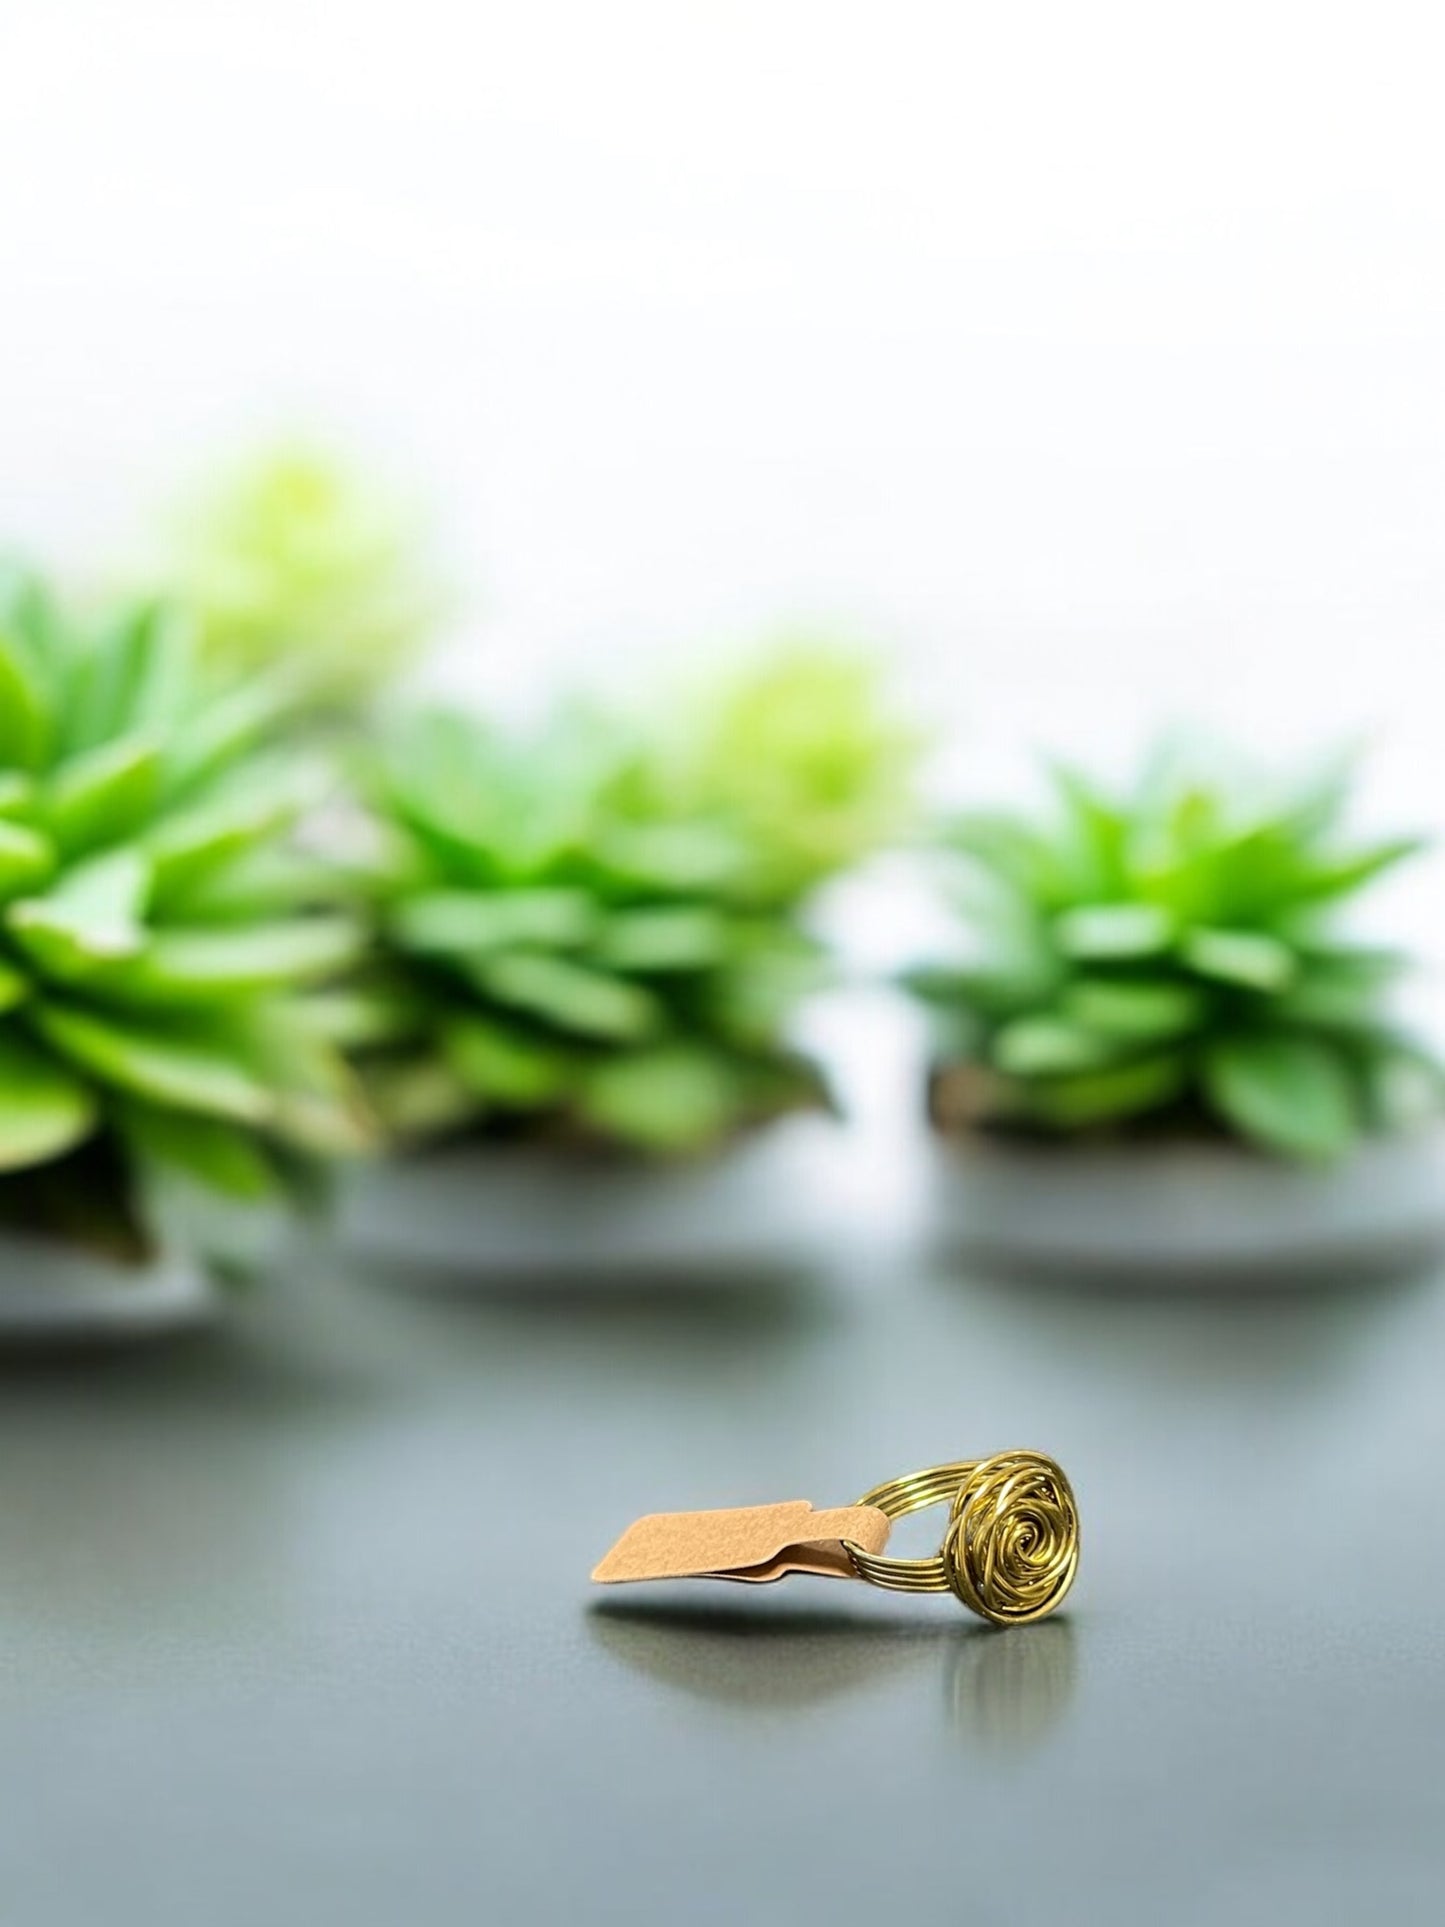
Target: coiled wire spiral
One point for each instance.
(1011, 1546)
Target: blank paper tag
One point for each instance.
(756, 1543)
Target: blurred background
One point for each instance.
(1089, 360)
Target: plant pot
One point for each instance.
(52, 1294)
(1189, 1212)
(758, 1209)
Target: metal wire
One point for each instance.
(1011, 1546)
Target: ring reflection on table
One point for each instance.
(1006, 1693)
(1003, 1692)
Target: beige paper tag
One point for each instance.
(757, 1543)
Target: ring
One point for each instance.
(1011, 1546)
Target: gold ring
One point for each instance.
(1011, 1546)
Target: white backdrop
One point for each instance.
(1089, 356)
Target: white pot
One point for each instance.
(54, 1294)
(764, 1206)
(1195, 1213)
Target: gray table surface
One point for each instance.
(297, 1625)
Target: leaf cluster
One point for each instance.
(598, 928)
(156, 923)
(805, 753)
(292, 557)
(1177, 953)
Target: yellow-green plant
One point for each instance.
(292, 557)
(598, 929)
(802, 750)
(1174, 955)
(156, 924)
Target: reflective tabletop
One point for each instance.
(297, 1622)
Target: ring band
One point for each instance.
(1011, 1547)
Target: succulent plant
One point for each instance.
(292, 558)
(155, 925)
(584, 931)
(1174, 956)
(801, 748)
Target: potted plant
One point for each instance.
(1163, 1052)
(156, 925)
(592, 941)
(290, 556)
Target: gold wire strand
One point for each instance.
(1011, 1546)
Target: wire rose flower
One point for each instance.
(1012, 1543)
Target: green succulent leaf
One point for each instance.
(1049, 1047)
(1135, 1009)
(27, 859)
(1100, 835)
(1250, 959)
(17, 796)
(45, 1109)
(29, 615)
(1014, 979)
(186, 1068)
(688, 858)
(1344, 875)
(180, 966)
(1108, 1096)
(138, 678)
(672, 1098)
(89, 920)
(219, 1155)
(1114, 932)
(260, 885)
(191, 845)
(506, 1066)
(14, 987)
(102, 796)
(775, 968)
(684, 936)
(470, 923)
(579, 1001)
(1342, 991)
(357, 1016)
(25, 716)
(229, 729)
(1015, 855)
(319, 1103)
(1288, 1093)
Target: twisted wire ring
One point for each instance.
(1011, 1546)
